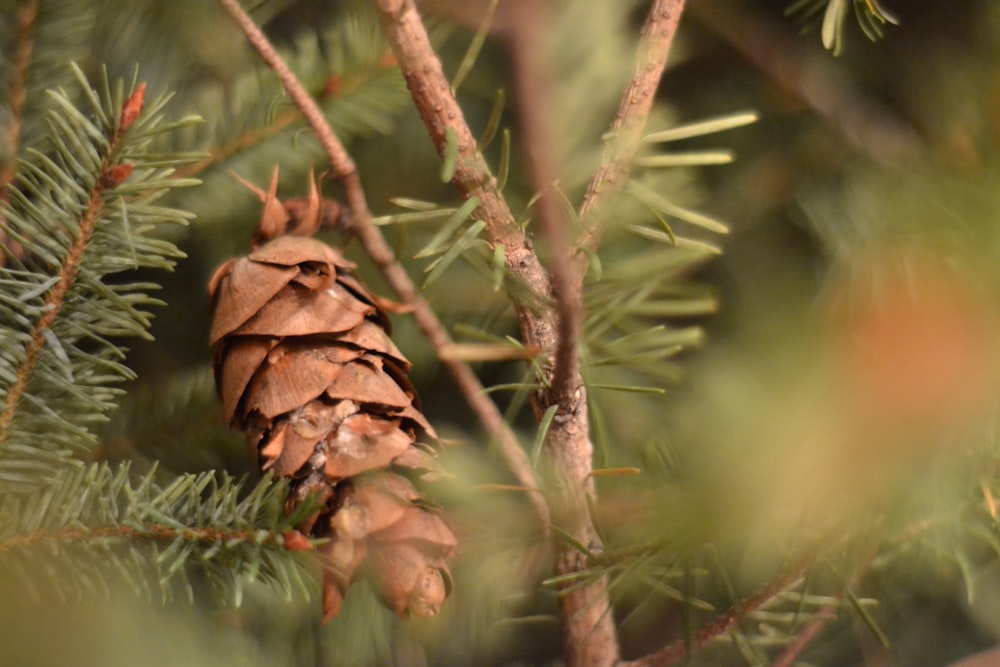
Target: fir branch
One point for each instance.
(150, 531)
(56, 298)
(380, 252)
(101, 521)
(81, 213)
(678, 651)
(254, 136)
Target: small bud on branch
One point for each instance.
(132, 108)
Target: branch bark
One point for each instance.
(380, 252)
(626, 128)
(589, 632)
(532, 77)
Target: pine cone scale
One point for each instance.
(241, 290)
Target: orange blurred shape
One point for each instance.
(916, 342)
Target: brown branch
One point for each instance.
(380, 252)
(791, 653)
(626, 128)
(676, 652)
(155, 531)
(589, 631)
(440, 113)
(533, 78)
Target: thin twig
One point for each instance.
(380, 252)
(676, 652)
(790, 655)
(626, 128)
(154, 531)
(533, 78)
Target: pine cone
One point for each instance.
(305, 366)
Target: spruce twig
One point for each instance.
(679, 650)
(380, 252)
(110, 176)
(255, 136)
(291, 540)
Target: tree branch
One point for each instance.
(626, 128)
(380, 252)
(255, 136)
(533, 78)
(292, 540)
(676, 652)
(589, 631)
(108, 176)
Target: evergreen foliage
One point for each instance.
(872, 17)
(751, 493)
(74, 222)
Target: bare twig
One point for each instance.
(380, 252)
(533, 79)
(626, 128)
(679, 650)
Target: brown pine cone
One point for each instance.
(305, 366)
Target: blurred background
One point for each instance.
(824, 384)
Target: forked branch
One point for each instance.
(589, 632)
